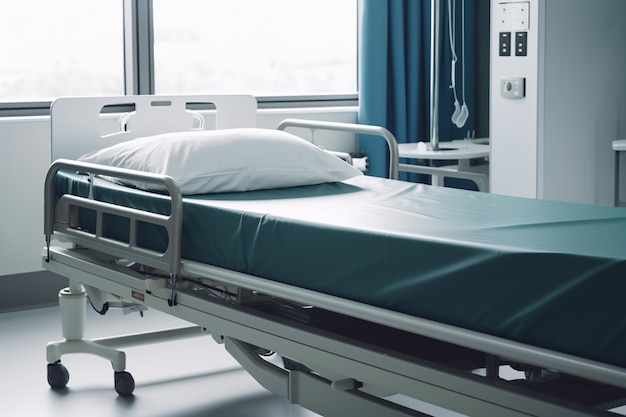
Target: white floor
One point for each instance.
(188, 378)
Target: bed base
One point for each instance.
(364, 373)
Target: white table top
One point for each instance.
(457, 149)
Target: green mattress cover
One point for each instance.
(549, 274)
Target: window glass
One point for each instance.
(60, 48)
(265, 48)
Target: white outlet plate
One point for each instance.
(513, 87)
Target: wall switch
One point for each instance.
(513, 87)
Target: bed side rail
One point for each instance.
(58, 218)
(392, 143)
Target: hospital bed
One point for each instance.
(364, 296)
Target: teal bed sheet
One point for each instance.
(544, 273)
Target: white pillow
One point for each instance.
(226, 160)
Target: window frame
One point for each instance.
(139, 70)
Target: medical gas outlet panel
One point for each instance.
(513, 25)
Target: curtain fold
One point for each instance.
(394, 78)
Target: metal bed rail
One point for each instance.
(313, 125)
(59, 212)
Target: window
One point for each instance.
(60, 48)
(271, 48)
(265, 48)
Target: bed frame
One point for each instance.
(347, 373)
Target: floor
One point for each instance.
(185, 378)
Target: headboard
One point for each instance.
(77, 122)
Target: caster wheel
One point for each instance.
(58, 376)
(124, 383)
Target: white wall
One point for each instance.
(25, 157)
(556, 143)
(585, 90)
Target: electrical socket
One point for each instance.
(505, 44)
(513, 87)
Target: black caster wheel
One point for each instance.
(124, 383)
(58, 376)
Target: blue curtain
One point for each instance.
(394, 78)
